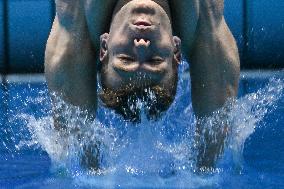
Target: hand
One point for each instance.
(210, 141)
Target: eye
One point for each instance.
(126, 58)
(157, 60)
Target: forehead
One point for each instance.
(163, 3)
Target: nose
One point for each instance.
(142, 43)
(141, 46)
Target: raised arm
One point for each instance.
(214, 70)
(71, 51)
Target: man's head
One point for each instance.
(139, 60)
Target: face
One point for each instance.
(139, 56)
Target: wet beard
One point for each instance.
(130, 102)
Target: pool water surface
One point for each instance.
(147, 155)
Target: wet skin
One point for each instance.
(143, 45)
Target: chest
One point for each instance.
(163, 3)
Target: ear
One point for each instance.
(103, 46)
(177, 49)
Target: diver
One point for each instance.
(138, 45)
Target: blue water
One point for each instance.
(148, 155)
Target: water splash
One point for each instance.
(137, 153)
(248, 111)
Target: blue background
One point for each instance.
(258, 26)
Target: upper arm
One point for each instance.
(72, 48)
(211, 48)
